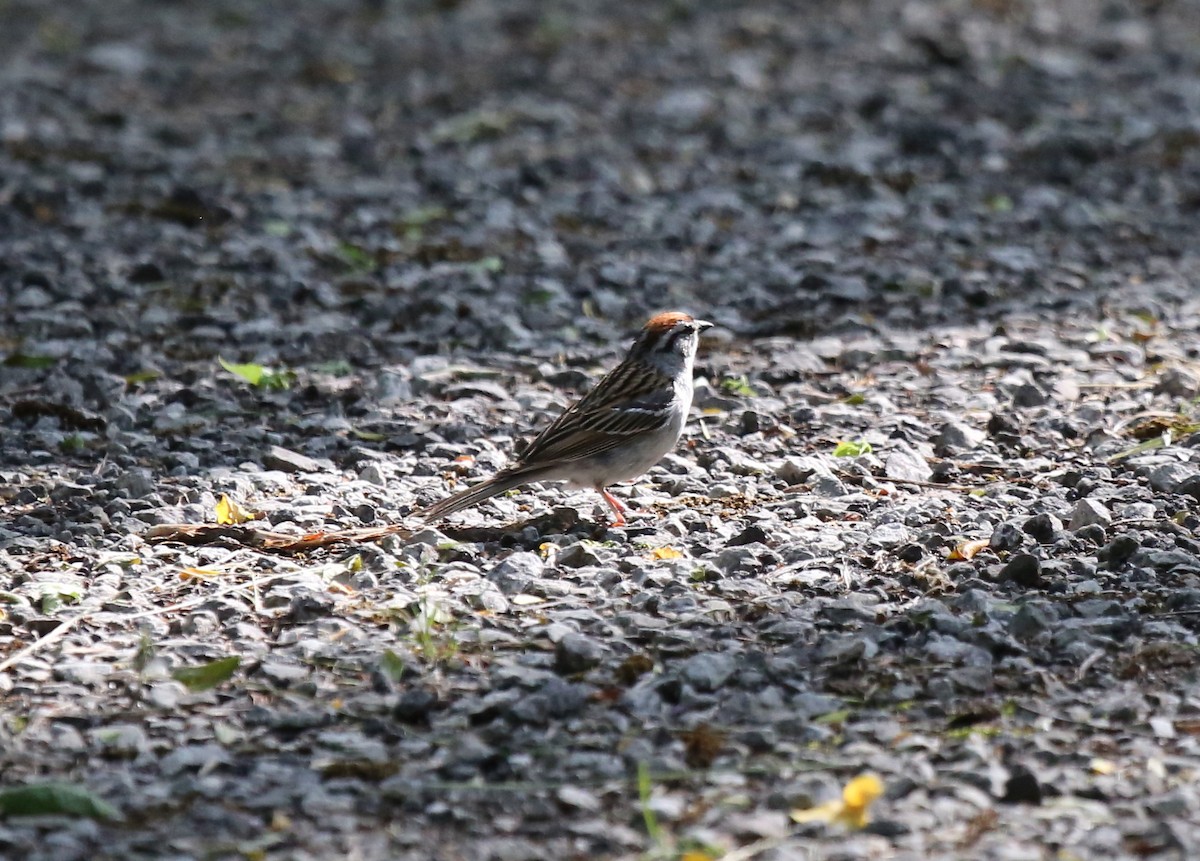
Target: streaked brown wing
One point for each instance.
(629, 401)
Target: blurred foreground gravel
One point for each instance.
(957, 238)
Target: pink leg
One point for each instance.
(615, 505)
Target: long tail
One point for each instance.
(495, 485)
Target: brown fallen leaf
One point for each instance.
(261, 539)
(967, 550)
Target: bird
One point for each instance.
(617, 431)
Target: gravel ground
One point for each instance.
(934, 517)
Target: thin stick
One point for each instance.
(54, 636)
(757, 848)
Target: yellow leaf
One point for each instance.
(665, 553)
(229, 513)
(695, 855)
(827, 812)
(857, 798)
(968, 549)
(1103, 766)
(851, 810)
(198, 574)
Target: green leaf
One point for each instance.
(367, 436)
(72, 444)
(392, 665)
(855, 400)
(356, 258)
(1148, 445)
(1000, 203)
(838, 716)
(260, 376)
(54, 799)
(411, 224)
(739, 386)
(281, 380)
(207, 676)
(489, 264)
(472, 126)
(21, 360)
(141, 377)
(54, 595)
(852, 448)
(251, 373)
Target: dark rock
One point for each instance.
(1003, 426)
(1029, 395)
(1032, 620)
(1024, 569)
(1189, 486)
(576, 653)
(414, 705)
(1006, 537)
(1044, 528)
(1118, 551)
(750, 535)
(1022, 787)
(1093, 534)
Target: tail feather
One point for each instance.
(472, 496)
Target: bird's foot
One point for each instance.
(616, 506)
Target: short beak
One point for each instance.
(701, 325)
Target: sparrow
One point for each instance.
(617, 431)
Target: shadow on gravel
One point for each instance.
(935, 517)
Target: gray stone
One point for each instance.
(1179, 383)
(577, 555)
(1089, 512)
(87, 673)
(888, 535)
(373, 474)
(733, 559)
(120, 741)
(1032, 620)
(286, 460)
(136, 484)
(795, 470)
(708, 671)
(282, 675)
(1168, 476)
(516, 572)
(906, 464)
(957, 437)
